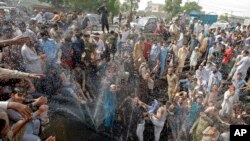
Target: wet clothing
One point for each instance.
(78, 47)
(163, 60)
(109, 108)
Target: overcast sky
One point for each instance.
(235, 7)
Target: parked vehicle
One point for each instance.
(3, 4)
(116, 20)
(92, 19)
(221, 24)
(147, 24)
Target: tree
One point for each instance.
(173, 7)
(190, 6)
(114, 8)
(80, 5)
(223, 17)
(130, 6)
(124, 7)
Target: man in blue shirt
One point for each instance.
(78, 48)
(49, 48)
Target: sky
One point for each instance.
(235, 7)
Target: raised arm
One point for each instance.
(6, 73)
(15, 41)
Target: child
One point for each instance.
(194, 59)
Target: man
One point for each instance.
(147, 49)
(157, 119)
(228, 102)
(192, 44)
(78, 47)
(52, 82)
(32, 62)
(104, 16)
(109, 107)
(49, 48)
(212, 52)
(56, 18)
(182, 55)
(138, 52)
(100, 47)
(40, 17)
(239, 83)
(108, 50)
(172, 83)
(215, 77)
(194, 112)
(154, 55)
(89, 47)
(163, 58)
(23, 31)
(243, 65)
(33, 127)
(54, 31)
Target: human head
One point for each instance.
(147, 76)
(44, 35)
(18, 95)
(52, 70)
(199, 100)
(231, 89)
(113, 87)
(67, 39)
(141, 39)
(200, 67)
(170, 71)
(86, 36)
(215, 87)
(56, 26)
(96, 36)
(78, 35)
(172, 106)
(239, 75)
(22, 26)
(245, 52)
(193, 36)
(8, 32)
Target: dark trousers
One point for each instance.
(105, 25)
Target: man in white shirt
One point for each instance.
(243, 65)
(100, 47)
(23, 31)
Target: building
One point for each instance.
(154, 7)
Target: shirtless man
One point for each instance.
(159, 118)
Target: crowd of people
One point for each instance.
(189, 82)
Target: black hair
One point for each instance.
(44, 33)
(2, 125)
(22, 23)
(67, 38)
(246, 52)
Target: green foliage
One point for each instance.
(86, 5)
(124, 7)
(114, 7)
(190, 6)
(130, 6)
(173, 7)
(223, 17)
